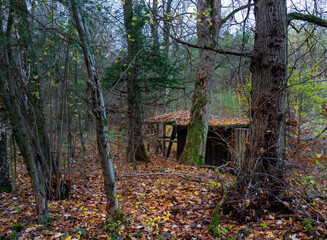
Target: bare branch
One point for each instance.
(217, 50)
(232, 13)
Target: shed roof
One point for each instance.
(182, 117)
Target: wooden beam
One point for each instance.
(163, 140)
(172, 137)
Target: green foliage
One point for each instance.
(222, 233)
(12, 236)
(303, 180)
(17, 227)
(308, 225)
(234, 100)
(115, 226)
(149, 67)
(152, 70)
(307, 94)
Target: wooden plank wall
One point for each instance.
(158, 141)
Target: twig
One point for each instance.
(185, 176)
(295, 211)
(193, 208)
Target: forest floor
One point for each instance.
(159, 200)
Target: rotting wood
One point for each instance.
(187, 177)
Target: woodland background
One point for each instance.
(79, 78)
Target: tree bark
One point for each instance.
(265, 155)
(24, 142)
(154, 28)
(11, 95)
(167, 28)
(208, 26)
(135, 143)
(5, 185)
(98, 109)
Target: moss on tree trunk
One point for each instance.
(207, 31)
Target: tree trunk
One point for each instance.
(167, 28)
(135, 148)
(265, 155)
(154, 28)
(208, 26)
(24, 142)
(5, 185)
(11, 95)
(99, 112)
(30, 99)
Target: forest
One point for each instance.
(163, 119)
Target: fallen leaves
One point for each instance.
(156, 201)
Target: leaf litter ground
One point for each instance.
(159, 200)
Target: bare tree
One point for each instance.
(98, 110)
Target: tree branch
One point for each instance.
(217, 50)
(306, 17)
(232, 13)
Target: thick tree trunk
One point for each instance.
(167, 28)
(5, 185)
(24, 143)
(208, 26)
(265, 156)
(154, 28)
(11, 95)
(99, 112)
(135, 148)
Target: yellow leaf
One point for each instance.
(270, 234)
(36, 77)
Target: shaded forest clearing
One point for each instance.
(160, 200)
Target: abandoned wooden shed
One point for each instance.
(225, 140)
